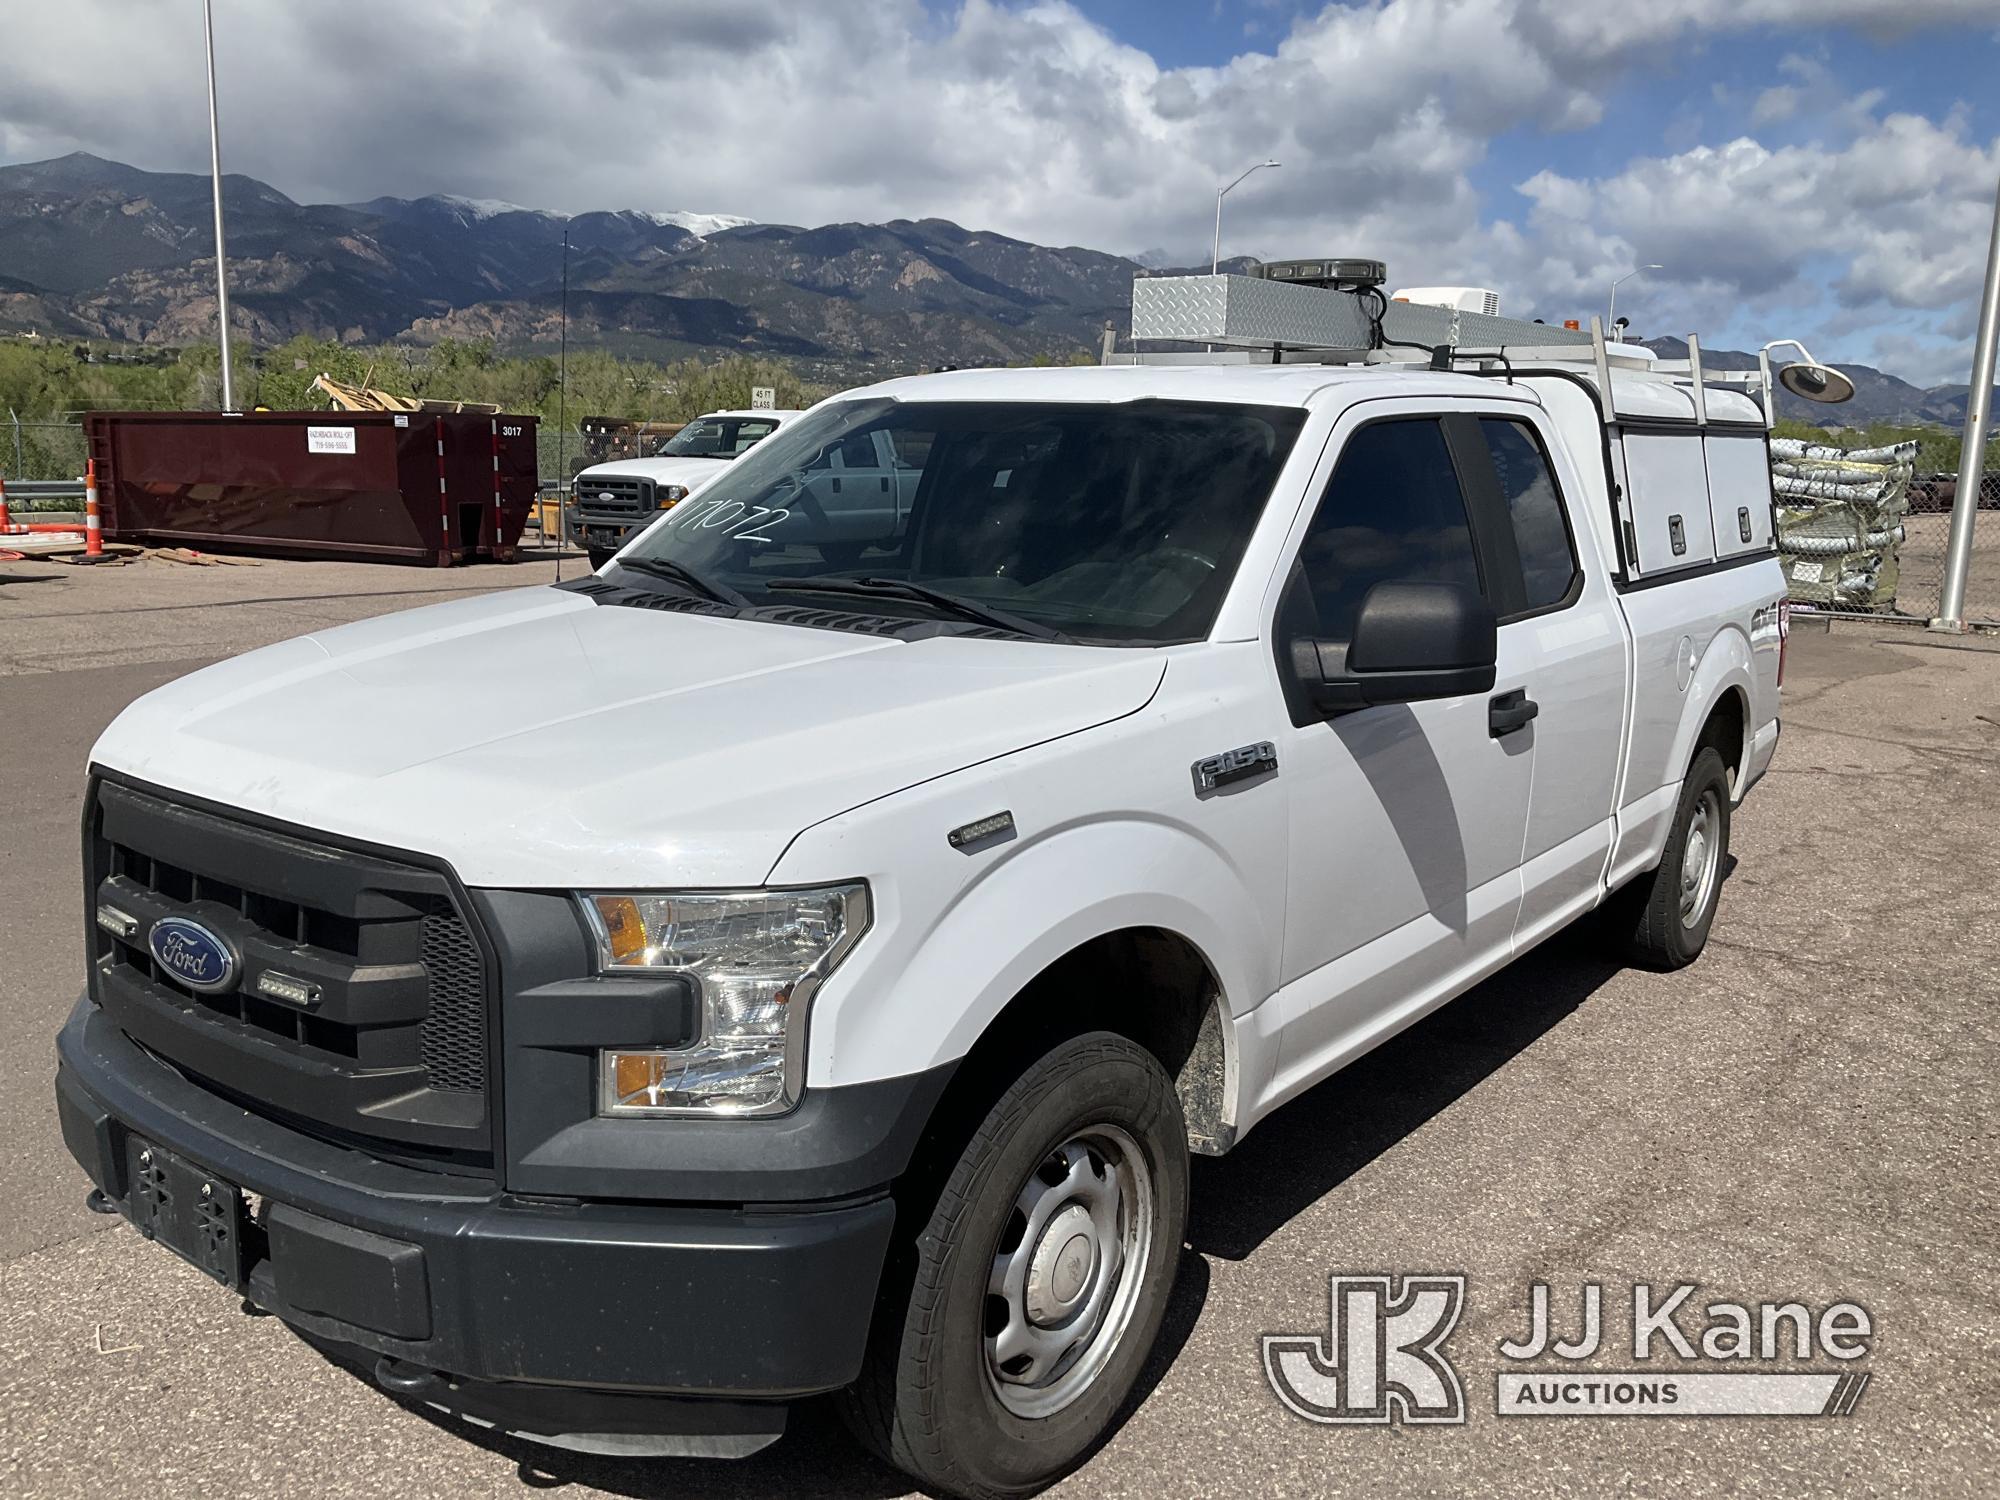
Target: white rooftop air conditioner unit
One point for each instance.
(1472, 299)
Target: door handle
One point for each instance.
(1507, 712)
(836, 486)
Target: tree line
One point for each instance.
(57, 380)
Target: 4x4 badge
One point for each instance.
(1213, 772)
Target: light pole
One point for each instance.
(215, 174)
(1972, 455)
(1215, 257)
(1611, 312)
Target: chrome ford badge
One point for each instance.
(192, 955)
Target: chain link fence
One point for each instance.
(559, 453)
(1863, 530)
(41, 450)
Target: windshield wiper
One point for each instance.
(686, 577)
(897, 588)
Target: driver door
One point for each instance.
(1407, 819)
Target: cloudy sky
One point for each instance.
(1820, 168)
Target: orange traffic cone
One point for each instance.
(93, 525)
(7, 526)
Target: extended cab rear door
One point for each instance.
(1562, 616)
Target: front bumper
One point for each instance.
(465, 1293)
(604, 532)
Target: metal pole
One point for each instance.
(562, 417)
(1611, 312)
(215, 175)
(1972, 458)
(1215, 250)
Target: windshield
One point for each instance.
(1114, 524)
(717, 437)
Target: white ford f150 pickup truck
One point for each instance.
(615, 1010)
(613, 500)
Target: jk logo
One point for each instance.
(1383, 1357)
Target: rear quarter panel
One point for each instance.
(1695, 640)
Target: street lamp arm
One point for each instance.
(1245, 173)
(1215, 250)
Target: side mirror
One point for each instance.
(1411, 641)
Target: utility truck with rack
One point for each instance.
(940, 880)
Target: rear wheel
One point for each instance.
(1663, 918)
(1041, 1277)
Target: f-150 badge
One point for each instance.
(1213, 772)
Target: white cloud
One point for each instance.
(1031, 120)
(1775, 104)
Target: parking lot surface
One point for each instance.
(1806, 1114)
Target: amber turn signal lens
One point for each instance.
(635, 1076)
(624, 928)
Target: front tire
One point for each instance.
(1663, 918)
(1041, 1278)
(599, 556)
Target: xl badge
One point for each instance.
(192, 955)
(1215, 771)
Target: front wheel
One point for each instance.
(599, 556)
(1663, 918)
(1041, 1278)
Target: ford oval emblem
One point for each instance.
(192, 955)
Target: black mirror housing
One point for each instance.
(1412, 641)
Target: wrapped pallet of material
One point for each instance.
(1840, 520)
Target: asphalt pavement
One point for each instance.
(1806, 1114)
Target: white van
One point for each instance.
(802, 956)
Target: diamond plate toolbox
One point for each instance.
(1246, 310)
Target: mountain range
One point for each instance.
(91, 248)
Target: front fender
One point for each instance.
(949, 952)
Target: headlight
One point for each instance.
(757, 957)
(671, 495)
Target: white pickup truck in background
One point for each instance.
(930, 865)
(614, 500)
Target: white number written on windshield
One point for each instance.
(745, 523)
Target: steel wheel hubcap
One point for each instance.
(1701, 857)
(1067, 1271)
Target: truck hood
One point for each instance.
(684, 471)
(533, 738)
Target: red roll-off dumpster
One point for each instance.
(372, 486)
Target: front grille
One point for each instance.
(453, 1035)
(391, 1044)
(620, 499)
